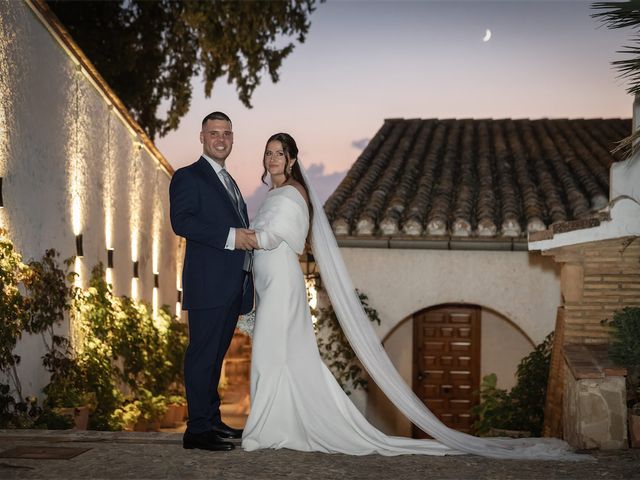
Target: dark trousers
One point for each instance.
(210, 334)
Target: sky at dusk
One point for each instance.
(364, 61)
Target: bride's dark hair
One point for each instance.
(290, 150)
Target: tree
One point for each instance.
(148, 51)
(624, 15)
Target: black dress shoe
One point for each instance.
(206, 441)
(225, 431)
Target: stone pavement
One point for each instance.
(123, 455)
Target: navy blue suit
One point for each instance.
(216, 289)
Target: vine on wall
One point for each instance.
(336, 350)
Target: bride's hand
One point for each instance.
(246, 239)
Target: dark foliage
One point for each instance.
(148, 51)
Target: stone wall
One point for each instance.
(597, 279)
(595, 410)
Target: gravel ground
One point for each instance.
(123, 455)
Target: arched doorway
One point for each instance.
(446, 346)
(502, 345)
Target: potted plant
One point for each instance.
(624, 349)
(126, 417)
(175, 414)
(67, 392)
(152, 409)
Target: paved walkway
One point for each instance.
(123, 455)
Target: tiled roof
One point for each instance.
(487, 178)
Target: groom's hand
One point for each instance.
(246, 239)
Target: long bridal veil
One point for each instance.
(366, 345)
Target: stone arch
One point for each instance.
(503, 316)
(399, 344)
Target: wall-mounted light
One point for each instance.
(135, 269)
(109, 257)
(79, 249)
(308, 264)
(179, 304)
(309, 268)
(156, 280)
(1, 199)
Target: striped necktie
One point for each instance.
(235, 194)
(231, 188)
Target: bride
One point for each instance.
(295, 401)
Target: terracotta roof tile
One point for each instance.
(476, 177)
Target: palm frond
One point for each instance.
(628, 146)
(623, 15)
(629, 68)
(617, 14)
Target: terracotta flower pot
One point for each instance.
(171, 416)
(80, 416)
(147, 426)
(140, 426)
(182, 414)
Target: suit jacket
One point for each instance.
(202, 212)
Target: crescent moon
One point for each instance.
(487, 35)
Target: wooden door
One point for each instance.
(447, 363)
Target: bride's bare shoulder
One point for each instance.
(300, 188)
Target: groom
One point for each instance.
(208, 210)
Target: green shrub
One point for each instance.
(116, 341)
(522, 408)
(624, 349)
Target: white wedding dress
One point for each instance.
(296, 402)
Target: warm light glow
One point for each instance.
(109, 276)
(312, 295)
(155, 252)
(156, 222)
(135, 190)
(77, 267)
(179, 262)
(108, 229)
(134, 288)
(134, 245)
(108, 199)
(179, 301)
(76, 215)
(7, 36)
(76, 125)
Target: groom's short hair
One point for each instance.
(217, 116)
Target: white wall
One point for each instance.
(60, 139)
(502, 346)
(521, 286)
(519, 293)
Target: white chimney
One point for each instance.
(624, 177)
